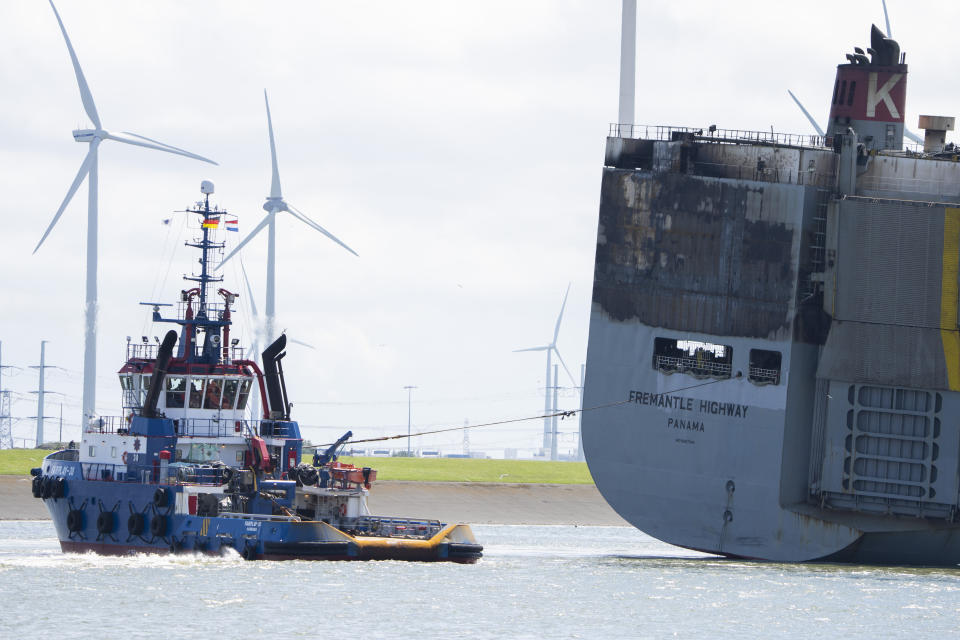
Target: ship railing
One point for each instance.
(211, 427)
(225, 428)
(759, 375)
(258, 516)
(692, 366)
(738, 136)
(108, 424)
(148, 351)
(394, 527)
(173, 473)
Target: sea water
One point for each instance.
(537, 582)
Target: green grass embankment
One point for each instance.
(20, 461)
(475, 470)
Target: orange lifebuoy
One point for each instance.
(124, 457)
(343, 509)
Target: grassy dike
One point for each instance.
(19, 462)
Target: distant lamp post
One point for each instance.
(409, 389)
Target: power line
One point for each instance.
(556, 414)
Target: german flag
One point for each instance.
(211, 223)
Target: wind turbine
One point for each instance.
(551, 348)
(257, 331)
(88, 169)
(274, 204)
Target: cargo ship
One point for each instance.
(774, 356)
(185, 470)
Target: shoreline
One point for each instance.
(459, 502)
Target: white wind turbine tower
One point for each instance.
(274, 204)
(551, 348)
(88, 169)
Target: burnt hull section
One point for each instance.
(775, 364)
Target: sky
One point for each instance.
(457, 147)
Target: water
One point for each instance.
(534, 582)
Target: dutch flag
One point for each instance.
(232, 225)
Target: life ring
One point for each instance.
(124, 457)
(343, 509)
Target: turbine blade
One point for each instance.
(303, 344)
(246, 281)
(557, 351)
(81, 174)
(806, 113)
(159, 146)
(275, 182)
(162, 144)
(85, 96)
(912, 136)
(886, 17)
(249, 237)
(299, 215)
(546, 348)
(556, 330)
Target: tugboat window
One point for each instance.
(196, 392)
(698, 359)
(176, 388)
(212, 396)
(126, 383)
(764, 366)
(229, 393)
(244, 392)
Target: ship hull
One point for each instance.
(124, 518)
(735, 401)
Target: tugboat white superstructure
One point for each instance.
(184, 469)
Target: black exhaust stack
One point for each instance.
(272, 377)
(164, 353)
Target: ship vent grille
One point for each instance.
(891, 444)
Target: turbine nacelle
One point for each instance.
(274, 204)
(87, 135)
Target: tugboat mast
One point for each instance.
(211, 220)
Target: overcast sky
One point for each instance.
(457, 147)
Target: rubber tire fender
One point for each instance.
(161, 497)
(37, 486)
(249, 552)
(60, 487)
(158, 526)
(106, 522)
(75, 520)
(47, 487)
(136, 523)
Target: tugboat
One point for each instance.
(183, 470)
